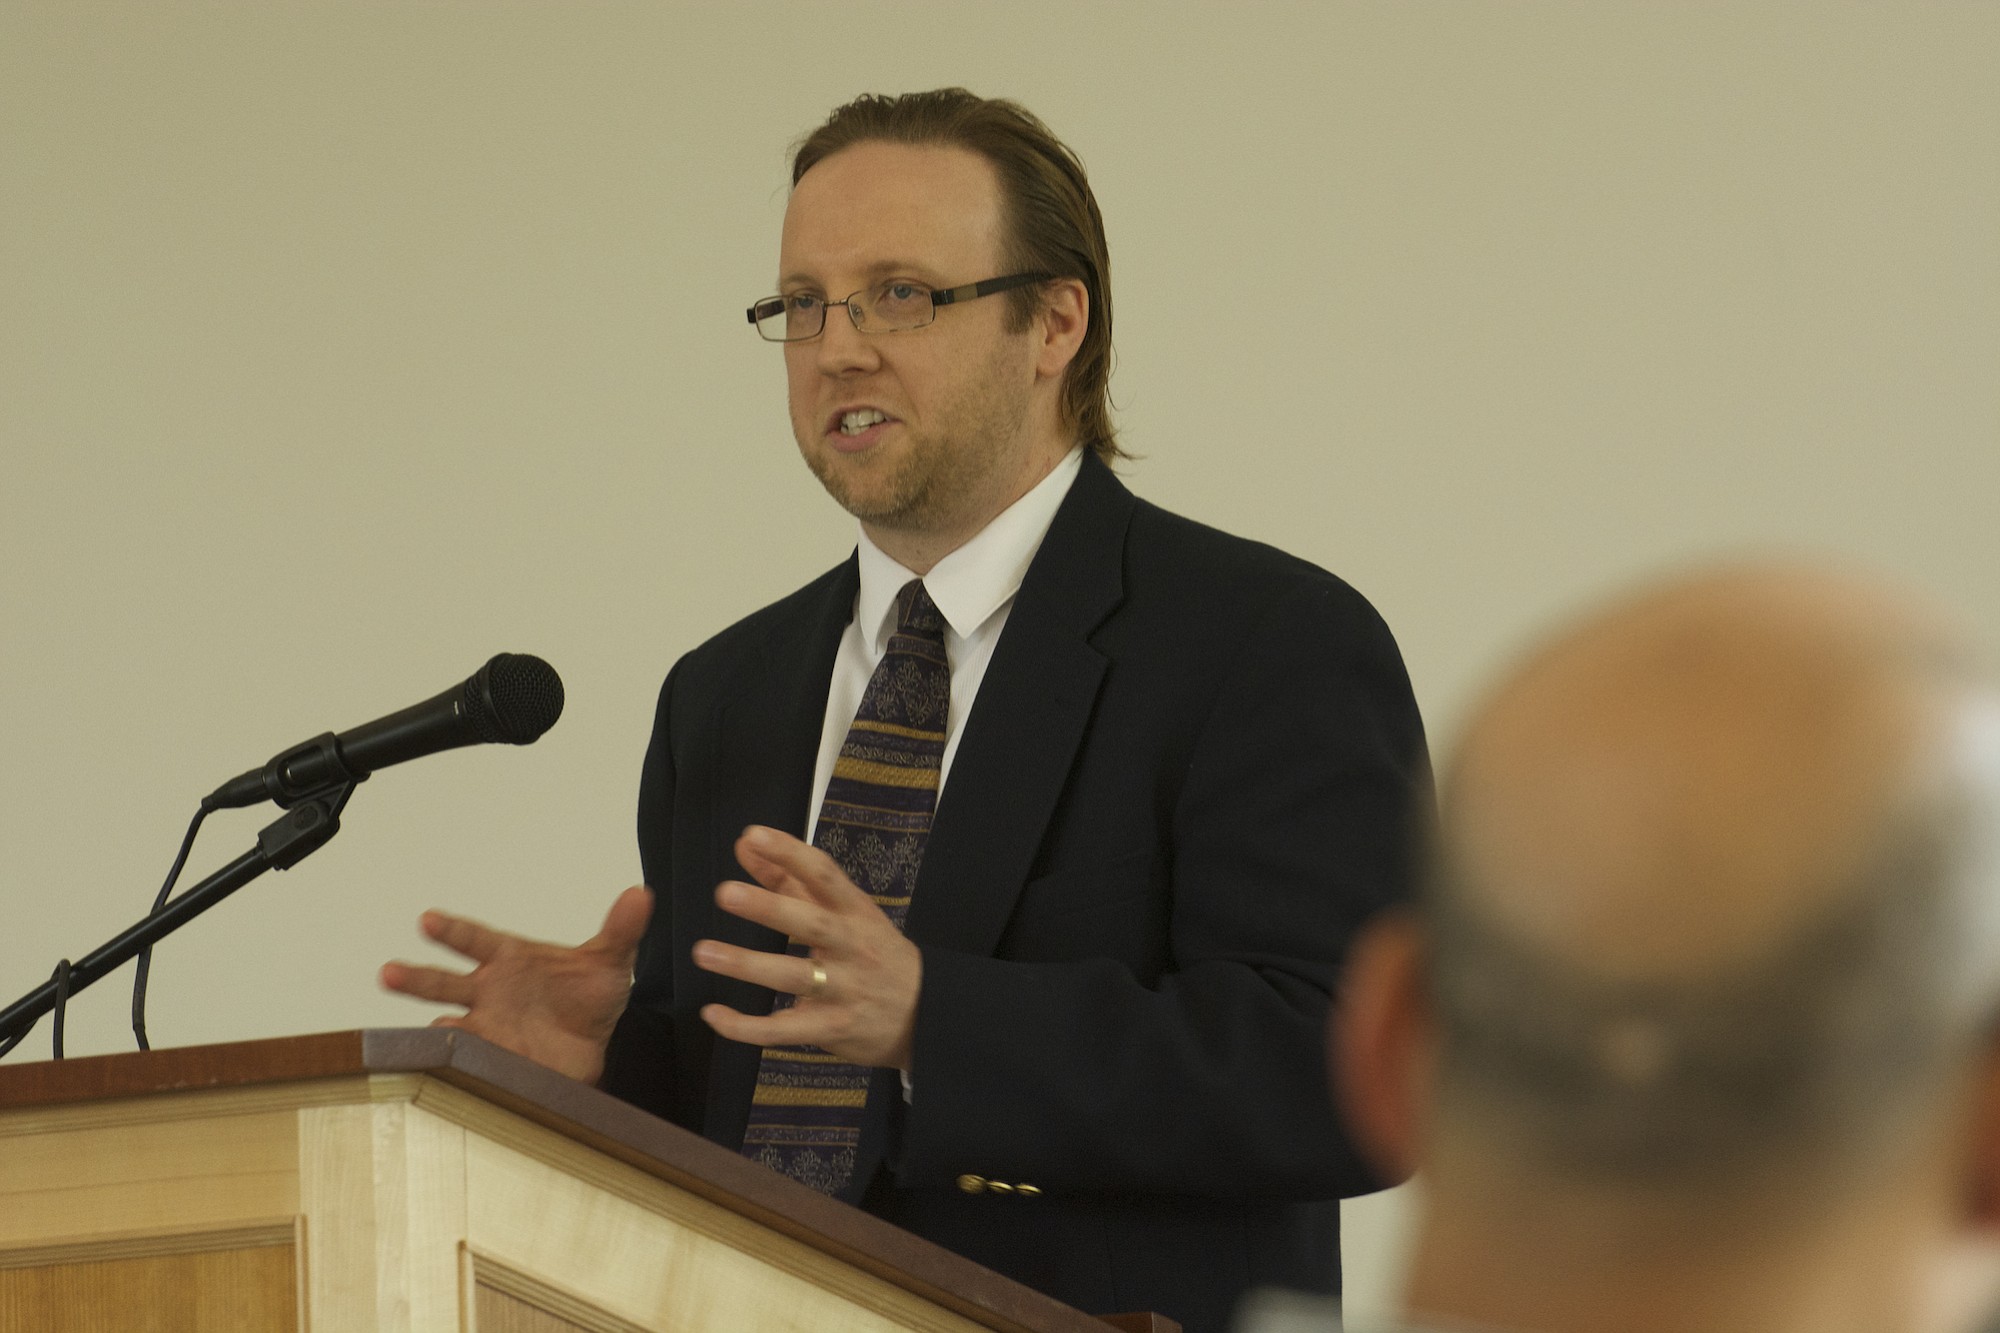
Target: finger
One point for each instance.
(775, 971)
(769, 871)
(463, 935)
(625, 924)
(791, 917)
(787, 1027)
(428, 983)
(807, 866)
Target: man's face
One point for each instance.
(962, 436)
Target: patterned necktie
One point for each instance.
(806, 1114)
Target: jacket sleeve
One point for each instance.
(1295, 820)
(639, 1063)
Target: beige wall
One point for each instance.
(343, 345)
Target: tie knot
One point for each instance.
(916, 613)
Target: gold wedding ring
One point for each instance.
(817, 988)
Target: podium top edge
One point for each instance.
(580, 1112)
(184, 1069)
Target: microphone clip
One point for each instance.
(303, 773)
(308, 771)
(310, 821)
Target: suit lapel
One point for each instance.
(1024, 729)
(768, 731)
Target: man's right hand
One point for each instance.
(553, 1004)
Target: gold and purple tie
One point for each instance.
(807, 1111)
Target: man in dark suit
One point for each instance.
(1095, 796)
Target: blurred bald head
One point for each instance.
(1713, 894)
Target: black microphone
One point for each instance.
(513, 698)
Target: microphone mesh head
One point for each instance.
(514, 698)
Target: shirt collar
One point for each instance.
(977, 579)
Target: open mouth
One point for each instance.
(855, 429)
(860, 420)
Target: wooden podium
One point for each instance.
(424, 1181)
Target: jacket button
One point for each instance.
(999, 1187)
(972, 1184)
(1028, 1191)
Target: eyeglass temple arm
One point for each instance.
(974, 290)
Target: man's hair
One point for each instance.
(1813, 1057)
(1049, 216)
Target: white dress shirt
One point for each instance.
(974, 590)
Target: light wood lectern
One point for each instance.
(426, 1181)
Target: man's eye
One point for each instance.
(802, 302)
(901, 291)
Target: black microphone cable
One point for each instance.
(143, 966)
(61, 978)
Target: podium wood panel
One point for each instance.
(199, 1292)
(426, 1180)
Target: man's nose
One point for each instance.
(841, 347)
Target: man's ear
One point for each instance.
(1062, 320)
(1982, 1185)
(1383, 1044)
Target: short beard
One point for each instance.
(910, 497)
(940, 476)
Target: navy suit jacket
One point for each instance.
(1193, 769)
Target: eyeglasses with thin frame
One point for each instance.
(896, 306)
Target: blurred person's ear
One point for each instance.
(1983, 1158)
(1965, 1290)
(1383, 1044)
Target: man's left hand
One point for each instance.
(865, 1011)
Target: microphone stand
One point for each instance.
(308, 825)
